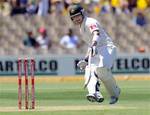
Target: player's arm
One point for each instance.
(95, 41)
(95, 34)
(93, 46)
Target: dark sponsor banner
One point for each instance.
(126, 64)
(42, 67)
(67, 65)
(47, 67)
(140, 64)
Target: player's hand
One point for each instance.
(94, 50)
(82, 64)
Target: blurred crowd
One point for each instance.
(137, 9)
(69, 41)
(44, 7)
(42, 40)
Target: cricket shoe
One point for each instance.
(95, 98)
(114, 99)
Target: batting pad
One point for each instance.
(90, 76)
(106, 77)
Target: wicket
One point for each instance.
(26, 67)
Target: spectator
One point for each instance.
(140, 19)
(23, 3)
(5, 8)
(115, 4)
(30, 40)
(142, 4)
(43, 7)
(67, 3)
(16, 8)
(58, 6)
(148, 2)
(32, 8)
(97, 8)
(70, 41)
(43, 39)
(124, 6)
(131, 5)
(105, 8)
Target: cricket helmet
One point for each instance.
(75, 10)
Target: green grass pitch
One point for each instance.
(68, 98)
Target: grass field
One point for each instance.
(68, 98)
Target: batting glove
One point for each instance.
(82, 64)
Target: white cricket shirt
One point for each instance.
(88, 26)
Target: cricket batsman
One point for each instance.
(103, 54)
